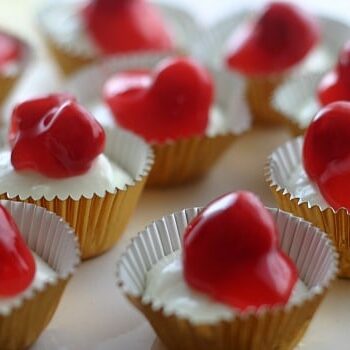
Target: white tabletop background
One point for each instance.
(93, 315)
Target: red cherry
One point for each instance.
(10, 49)
(281, 37)
(171, 102)
(17, 265)
(335, 85)
(125, 25)
(326, 153)
(231, 253)
(54, 136)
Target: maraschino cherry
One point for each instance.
(335, 85)
(17, 265)
(54, 136)
(326, 153)
(279, 38)
(10, 49)
(231, 253)
(170, 102)
(118, 26)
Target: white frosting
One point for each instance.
(299, 185)
(217, 122)
(318, 59)
(101, 177)
(64, 25)
(166, 288)
(44, 274)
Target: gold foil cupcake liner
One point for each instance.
(259, 92)
(296, 101)
(186, 160)
(335, 223)
(264, 328)
(99, 221)
(71, 56)
(54, 241)
(178, 161)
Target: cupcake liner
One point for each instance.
(296, 101)
(183, 160)
(259, 92)
(335, 223)
(71, 55)
(53, 240)
(98, 220)
(264, 328)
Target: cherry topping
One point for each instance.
(17, 265)
(231, 253)
(125, 25)
(55, 136)
(335, 85)
(281, 37)
(10, 49)
(171, 102)
(326, 153)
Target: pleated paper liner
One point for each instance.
(52, 239)
(335, 223)
(273, 328)
(99, 221)
(71, 56)
(296, 101)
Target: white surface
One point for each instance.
(93, 315)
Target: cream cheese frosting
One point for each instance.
(166, 288)
(103, 176)
(44, 274)
(217, 123)
(299, 185)
(63, 23)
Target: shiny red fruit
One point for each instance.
(231, 253)
(171, 102)
(54, 136)
(335, 85)
(10, 49)
(119, 26)
(280, 38)
(17, 265)
(326, 153)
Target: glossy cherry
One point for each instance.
(171, 102)
(10, 49)
(17, 265)
(280, 37)
(231, 253)
(326, 153)
(335, 85)
(55, 136)
(125, 25)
